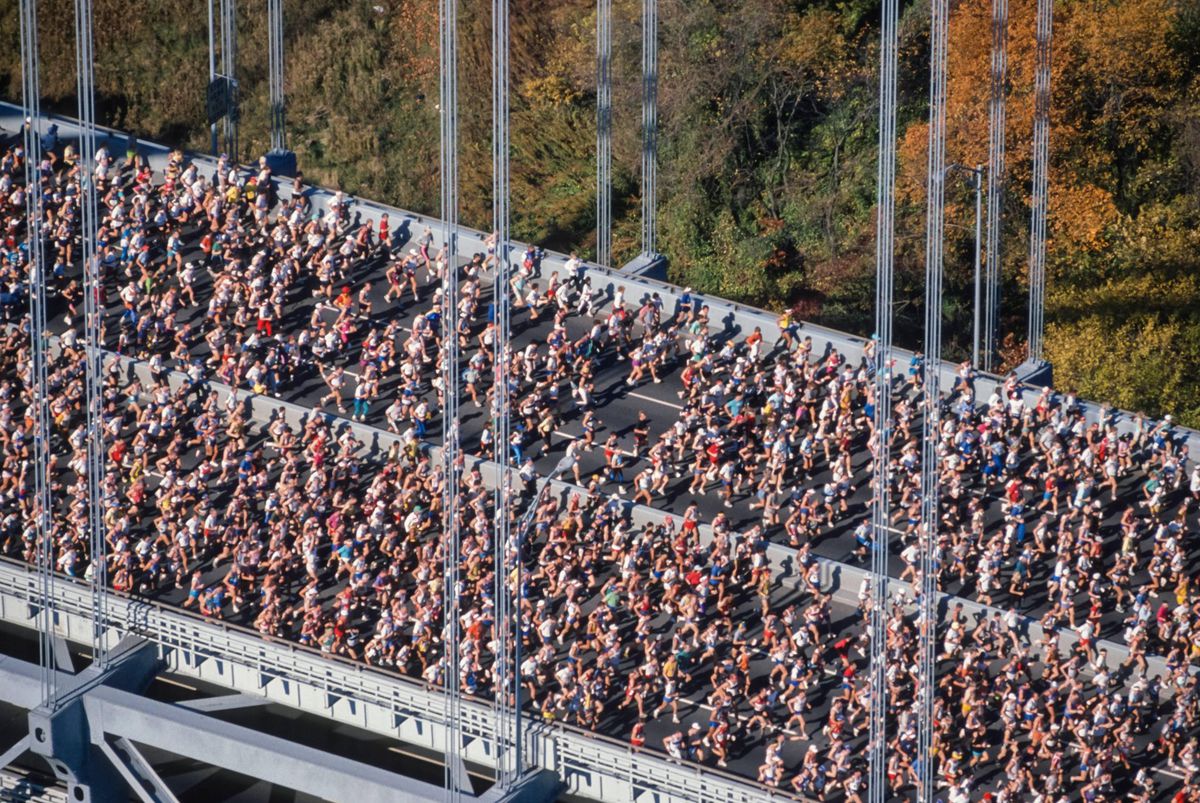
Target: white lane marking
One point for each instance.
(644, 397)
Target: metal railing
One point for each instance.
(564, 749)
(16, 788)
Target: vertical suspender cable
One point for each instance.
(229, 70)
(604, 132)
(38, 403)
(506, 554)
(649, 125)
(93, 325)
(1041, 158)
(884, 252)
(931, 422)
(275, 48)
(212, 69)
(451, 465)
(996, 174)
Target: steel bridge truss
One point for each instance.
(90, 737)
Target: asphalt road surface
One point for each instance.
(617, 407)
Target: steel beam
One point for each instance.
(113, 719)
(112, 712)
(15, 751)
(137, 772)
(18, 683)
(542, 786)
(225, 702)
(59, 736)
(62, 653)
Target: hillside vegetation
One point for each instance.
(768, 140)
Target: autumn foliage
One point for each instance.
(768, 112)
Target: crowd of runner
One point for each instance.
(301, 532)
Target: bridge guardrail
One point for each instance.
(555, 746)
